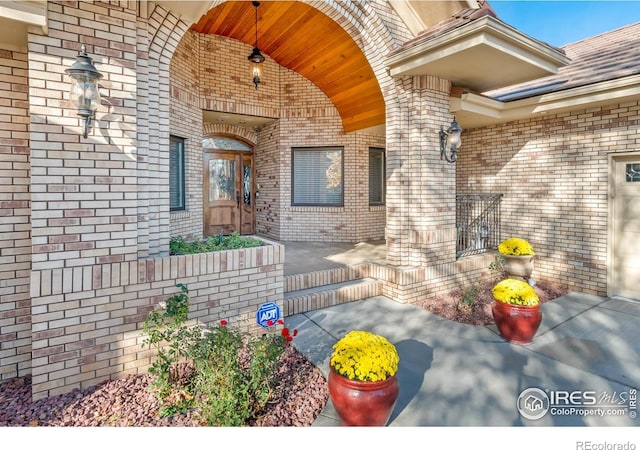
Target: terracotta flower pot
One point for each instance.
(519, 266)
(363, 403)
(516, 324)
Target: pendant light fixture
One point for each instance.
(256, 58)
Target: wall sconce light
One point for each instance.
(256, 57)
(450, 141)
(84, 93)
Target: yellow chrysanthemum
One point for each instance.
(515, 247)
(515, 292)
(364, 356)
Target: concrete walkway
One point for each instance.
(452, 374)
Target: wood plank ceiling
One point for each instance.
(301, 38)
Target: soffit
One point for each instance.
(477, 51)
(301, 38)
(15, 19)
(419, 15)
(604, 70)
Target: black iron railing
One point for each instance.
(477, 222)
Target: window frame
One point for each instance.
(383, 187)
(334, 148)
(181, 169)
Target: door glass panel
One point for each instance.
(633, 173)
(224, 143)
(246, 183)
(221, 179)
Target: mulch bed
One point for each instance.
(448, 305)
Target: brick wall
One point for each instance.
(207, 73)
(84, 191)
(15, 222)
(99, 210)
(186, 122)
(553, 172)
(420, 187)
(87, 320)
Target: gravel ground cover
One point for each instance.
(299, 398)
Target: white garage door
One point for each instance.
(626, 227)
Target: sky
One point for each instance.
(564, 22)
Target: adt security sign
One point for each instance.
(267, 312)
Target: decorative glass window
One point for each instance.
(224, 143)
(222, 174)
(176, 174)
(376, 176)
(246, 184)
(633, 173)
(317, 176)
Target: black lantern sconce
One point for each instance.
(256, 57)
(450, 142)
(84, 92)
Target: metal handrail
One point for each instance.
(477, 222)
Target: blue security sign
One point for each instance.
(267, 312)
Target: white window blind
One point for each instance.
(176, 174)
(317, 176)
(376, 176)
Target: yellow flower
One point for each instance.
(515, 247)
(365, 356)
(515, 292)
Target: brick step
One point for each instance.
(318, 297)
(324, 277)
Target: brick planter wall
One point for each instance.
(87, 321)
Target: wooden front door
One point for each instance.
(228, 193)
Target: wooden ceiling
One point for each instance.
(301, 38)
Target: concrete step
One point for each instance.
(318, 297)
(318, 278)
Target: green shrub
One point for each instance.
(469, 298)
(231, 377)
(179, 246)
(497, 268)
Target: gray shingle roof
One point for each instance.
(458, 20)
(608, 56)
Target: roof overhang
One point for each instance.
(419, 15)
(189, 11)
(475, 111)
(482, 55)
(15, 19)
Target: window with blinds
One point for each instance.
(376, 176)
(176, 174)
(317, 174)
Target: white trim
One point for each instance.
(488, 25)
(484, 111)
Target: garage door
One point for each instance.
(626, 227)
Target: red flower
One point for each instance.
(280, 322)
(288, 338)
(269, 322)
(285, 332)
(223, 323)
(295, 332)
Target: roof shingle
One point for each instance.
(608, 56)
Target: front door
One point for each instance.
(626, 227)
(228, 193)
